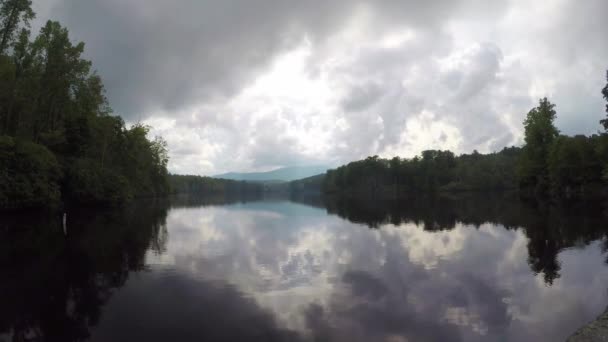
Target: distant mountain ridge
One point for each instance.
(285, 174)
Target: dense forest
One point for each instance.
(58, 137)
(432, 171)
(549, 164)
(208, 186)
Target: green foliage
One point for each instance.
(433, 171)
(29, 174)
(306, 185)
(146, 162)
(203, 186)
(573, 165)
(88, 183)
(12, 14)
(50, 97)
(600, 143)
(540, 132)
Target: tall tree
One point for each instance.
(605, 93)
(12, 14)
(63, 72)
(540, 132)
(22, 60)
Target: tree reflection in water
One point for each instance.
(54, 286)
(550, 228)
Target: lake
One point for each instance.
(309, 269)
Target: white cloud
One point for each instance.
(244, 86)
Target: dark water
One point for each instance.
(466, 269)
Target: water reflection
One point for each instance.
(466, 269)
(54, 286)
(550, 228)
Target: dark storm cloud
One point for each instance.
(169, 55)
(483, 66)
(361, 97)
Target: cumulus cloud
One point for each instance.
(252, 85)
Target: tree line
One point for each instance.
(59, 139)
(208, 186)
(432, 171)
(549, 164)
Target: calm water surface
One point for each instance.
(276, 270)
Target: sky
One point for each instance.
(242, 85)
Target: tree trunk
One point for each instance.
(10, 26)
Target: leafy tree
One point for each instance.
(53, 108)
(87, 183)
(29, 174)
(203, 186)
(573, 165)
(12, 14)
(63, 73)
(433, 171)
(22, 60)
(540, 132)
(601, 146)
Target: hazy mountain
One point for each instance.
(285, 174)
